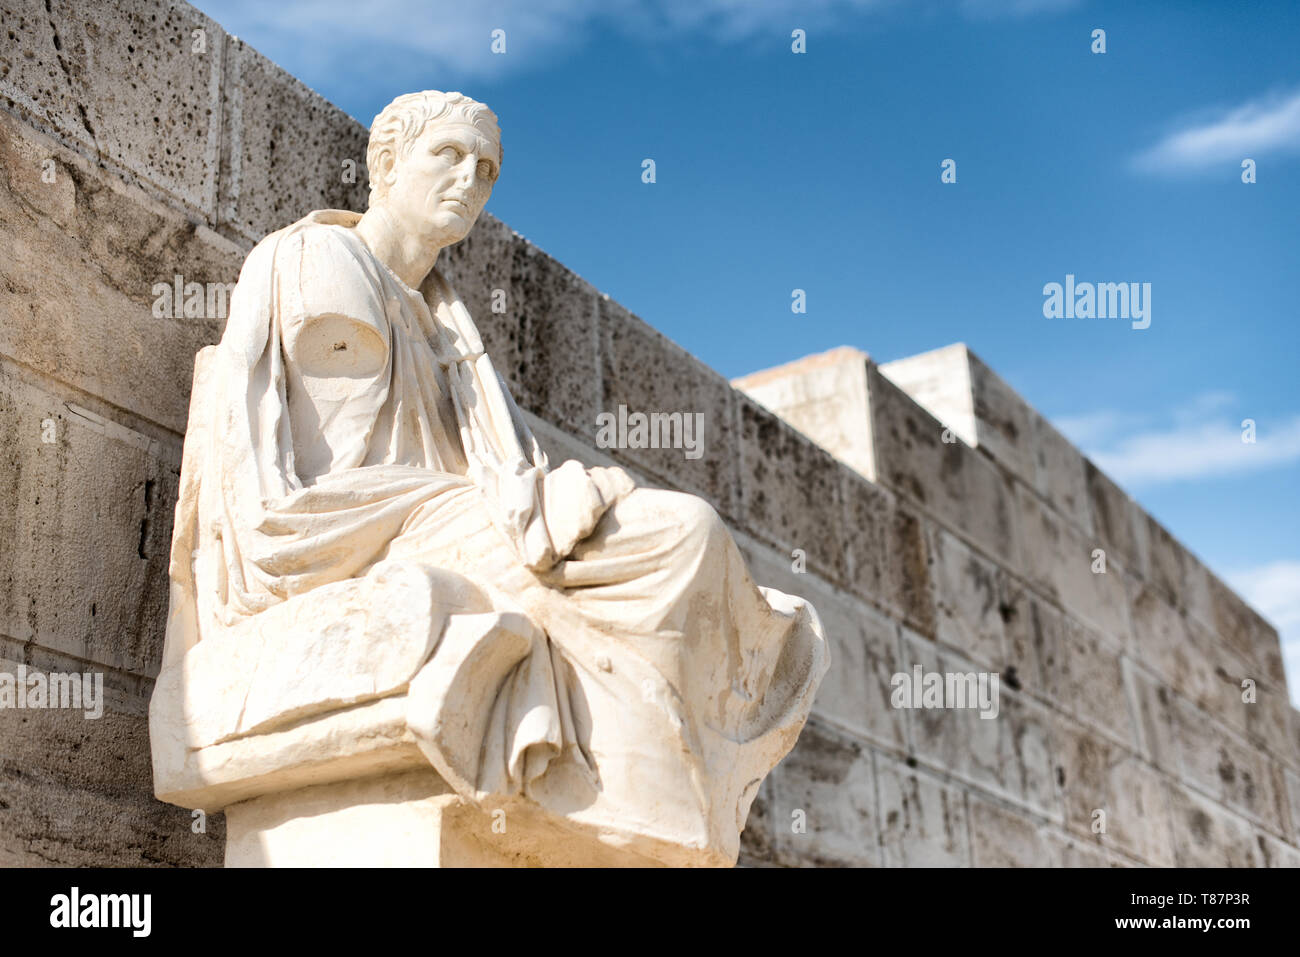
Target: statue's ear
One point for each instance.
(386, 173)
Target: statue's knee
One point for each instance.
(701, 527)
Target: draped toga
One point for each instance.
(627, 675)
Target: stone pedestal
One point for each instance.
(409, 819)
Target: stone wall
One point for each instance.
(133, 150)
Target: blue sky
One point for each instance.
(821, 171)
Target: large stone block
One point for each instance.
(961, 391)
(1245, 631)
(77, 790)
(868, 519)
(957, 485)
(1009, 753)
(1120, 526)
(86, 518)
(824, 396)
(1111, 795)
(1155, 718)
(887, 555)
(1059, 475)
(1208, 835)
(922, 820)
(91, 321)
(1033, 631)
(911, 571)
(791, 490)
(1236, 775)
(1066, 566)
(286, 150)
(130, 83)
(824, 802)
(1209, 673)
(1085, 677)
(968, 591)
(1006, 837)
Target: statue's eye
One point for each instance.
(450, 152)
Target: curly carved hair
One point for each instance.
(402, 122)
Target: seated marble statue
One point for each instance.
(364, 512)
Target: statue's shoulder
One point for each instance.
(307, 238)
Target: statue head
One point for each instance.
(433, 159)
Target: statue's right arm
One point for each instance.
(334, 324)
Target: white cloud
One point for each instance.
(1190, 451)
(1274, 590)
(1090, 428)
(1262, 126)
(1198, 439)
(454, 36)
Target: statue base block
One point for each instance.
(408, 819)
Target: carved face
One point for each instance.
(439, 188)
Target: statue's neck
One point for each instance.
(404, 253)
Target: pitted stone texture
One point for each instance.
(791, 490)
(1273, 853)
(961, 391)
(869, 514)
(887, 553)
(1034, 629)
(286, 150)
(1210, 674)
(645, 372)
(90, 322)
(126, 83)
(540, 323)
(953, 482)
(76, 791)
